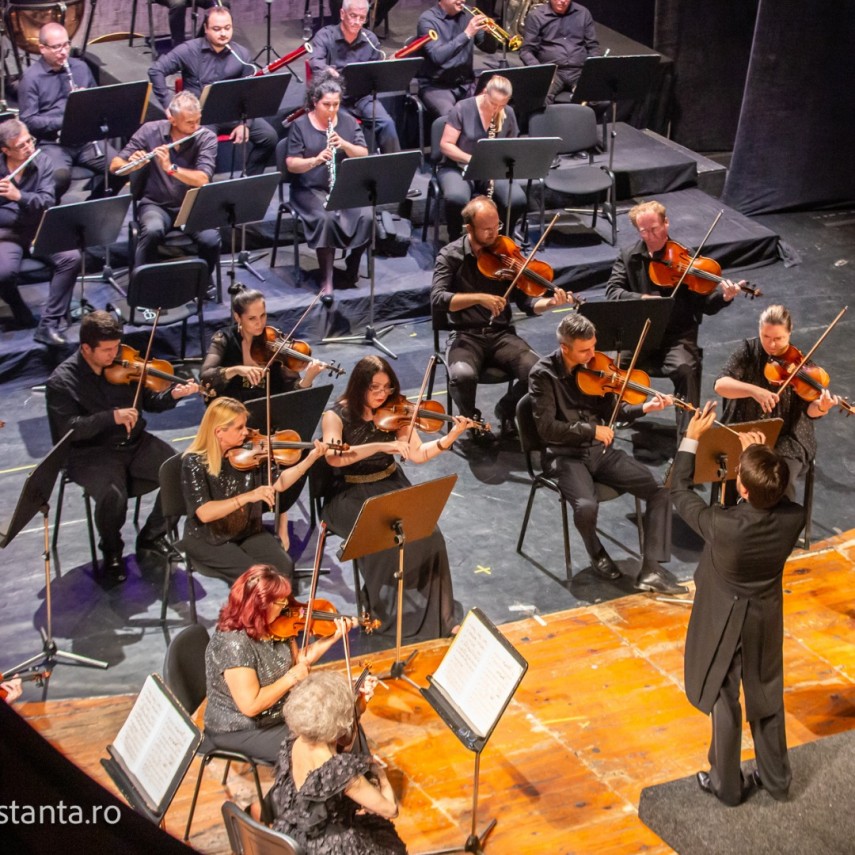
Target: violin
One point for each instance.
(128, 365)
(809, 382)
(286, 445)
(292, 353)
(704, 273)
(601, 376)
(431, 416)
(292, 620)
(39, 675)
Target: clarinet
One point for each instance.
(331, 161)
(72, 86)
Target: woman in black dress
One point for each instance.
(485, 116)
(316, 142)
(369, 469)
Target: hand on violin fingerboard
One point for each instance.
(560, 297)
(731, 289)
(658, 402)
(182, 390)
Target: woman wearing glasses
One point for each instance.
(369, 469)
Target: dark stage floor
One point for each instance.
(481, 521)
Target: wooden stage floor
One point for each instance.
(600, 715)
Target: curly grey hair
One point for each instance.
(320, 709)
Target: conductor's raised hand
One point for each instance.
(701, 421)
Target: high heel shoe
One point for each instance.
(327, 296)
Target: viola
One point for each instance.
(431, 417)
(294, 354)
(286, 446)
(39, 676)
(503, 261)
(127, 368)
(292, 620)
(704, 273)
(809, 381)
(601, 376)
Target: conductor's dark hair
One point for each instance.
(764, 475)
(243, 298)
(361, 378)
(574, 327)
(323, 84)
(97, 327)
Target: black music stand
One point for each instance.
(228, 204)
(512, 159)
(613, 79)
(619, 322)
(530, 84)
(389, 521)
(96, 222)
(379, 179)
(101, 114)
(35, 499)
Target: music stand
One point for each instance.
(228, 204)
(35, 499)
(511, 159)
(379, 179)
(101, 114)
(389, 521)
(299, 410)
(613, 79)
(530, 84)
(96, 222)
(619, 322)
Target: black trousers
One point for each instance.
(155, 222)
(770, 744)
(469, 353)
(440, 99)
(229, 560)
(63, 158)
(262, 144)
(576, 477)
(565, 80)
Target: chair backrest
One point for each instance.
(576, 124)
(527, 427)
(184, 666)
(436, 130)
(169, 285)
(248, 837)
(171, 493)
(279, 160)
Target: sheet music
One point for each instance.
(153, 741)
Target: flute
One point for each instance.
(133, 164)
(19, 169)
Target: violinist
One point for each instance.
(678, 356)
(223, 531)
(12, 690)
(249, 670)
(369, 469)
(574, 428)
(480, 318)
(749, 395)
(110, 447)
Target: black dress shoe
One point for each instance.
(159, 545)
(604, 567)
(49, 336)
(114, 568)
(704, 782)
(652, 580)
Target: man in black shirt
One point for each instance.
(110, 448)
(574, 429)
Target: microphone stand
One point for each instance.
(268, 48)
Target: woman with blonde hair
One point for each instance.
(224, 532)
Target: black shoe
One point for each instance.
(49, 336)
(506, 424)
(114, 568)
(327, 296)
(159, 545)
(653, 580)
(704, 782)
(604, 567)
(211, 294)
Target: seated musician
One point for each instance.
(110, 446)
(678, 356)
(480, 317)
(176, 167)
(447, 73)
(486, 116)
(321, 796)
(249, 671)
(750, 396)
(208, 60)
(23, 200)
(178, 15)
(369, 469)
(560, 32)
(12, 690)
(42, 95)
(339, 45)
(318, 139)
(573, 427)
(223, 531)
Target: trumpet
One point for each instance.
(413, 46)
(498, 33)
(133, 164)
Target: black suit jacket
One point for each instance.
(738, 596)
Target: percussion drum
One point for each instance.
(24, 20)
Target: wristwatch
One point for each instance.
(173, 168)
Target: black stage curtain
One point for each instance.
(794, 144)
(710, 44)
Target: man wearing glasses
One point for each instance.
(42, 96)
(339, 45)
(23, 199)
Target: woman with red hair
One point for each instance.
(248, 672)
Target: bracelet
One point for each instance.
(237, 503)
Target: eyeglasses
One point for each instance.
(651, 230)
(57, 48)
(375, 387)
(22, 146)
(280, 603)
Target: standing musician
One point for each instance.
(560, 32)
(208, 60)
(486, 116)
(316, 142)
(678, 356)
(339, 45)
(249, 669)
(736, 631)
(23, 199)
(223, 530)
(172, 173)
(42, 95)
(750, 396)
(480, 318)
(369, 469)
(447, 75)
(574, 427)
(110, 447)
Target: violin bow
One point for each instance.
(147, 359)
(313, 587)
(531, 255)
(811, 352)
(629, 371)
(431, 362)
(694, 258)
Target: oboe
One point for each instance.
(331, 161)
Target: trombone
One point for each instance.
(498, 33)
